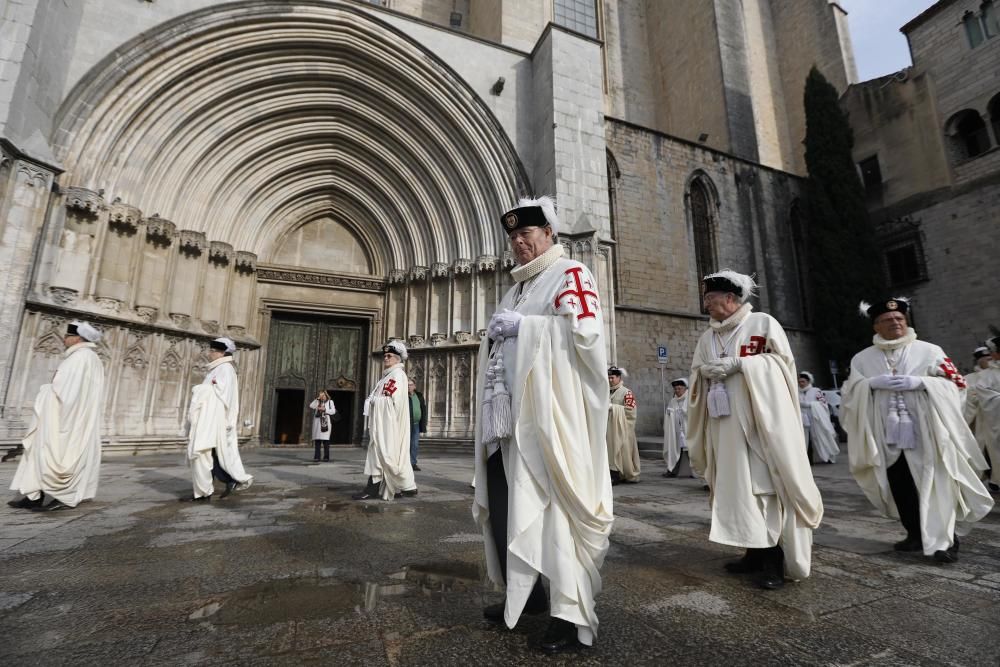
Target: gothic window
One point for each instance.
(991, 18)
(577, 15)
(902, 251)
(968, 135)
(994, 109)
(704, 217)
(973, 29)
(871, 175)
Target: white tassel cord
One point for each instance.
(718, 400)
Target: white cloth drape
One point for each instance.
(328, 409)
(62, 450)
(674, 428)
(982, 412)
(556, 463)
(754, 460)
(946, 462)
(214, 424)
(388, 419)
(817, 425)
(623, 447)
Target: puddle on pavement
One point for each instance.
(309, 598)
(359, 507)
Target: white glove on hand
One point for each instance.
(506, 323)
(720, 369)
(881, 382)
(906, 383)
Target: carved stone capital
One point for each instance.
(246, 262)
(160, 231)
(438, 338)
(508, 260)
(415, 341)
(192, 243)
(181, 320)
(236, 331)
(463, 336)
(418, 274)
(396, 277)
(146, 313)
(462, 267)
(108, 304)
(123, 218)
(64, 296)
(439, 270)
(210, 326)
(84, 200)
(486, 263)
(221, 253)
(481, 333)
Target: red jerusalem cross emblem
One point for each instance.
(390, 388)
(583, 295)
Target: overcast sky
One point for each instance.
(879, 47)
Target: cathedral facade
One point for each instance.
(313, 177)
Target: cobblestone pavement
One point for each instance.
(292, 571)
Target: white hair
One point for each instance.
(746, 283)
(548, 206)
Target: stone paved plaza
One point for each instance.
(294, 572)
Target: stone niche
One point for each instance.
(77, 243)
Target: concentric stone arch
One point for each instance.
(242, 120)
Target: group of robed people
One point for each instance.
(553, 419)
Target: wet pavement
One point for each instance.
(292, 571)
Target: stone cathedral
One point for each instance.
(314, 177)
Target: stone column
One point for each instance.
(78, 245)
(416, 302)
(242, 294)
(215, 292)
(461, 301)
(395, 304)
(485, 292)
(192, 256)
(119, 258)
(25, 190)
(154, 269)
(439, 317)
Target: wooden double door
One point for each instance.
(306, 354)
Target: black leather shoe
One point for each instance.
(25, 503)
(230, 486)
(494, 613)
(54, 506)
(909, 544)
(408, 494)
(192, 499)
(560, 636)
(943, 556)
(749, 563)
(670, 474)
(416, 468)
(771, 581)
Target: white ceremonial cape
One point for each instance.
(817, 425)
(62, 450)
(559, 491)
(674, 428)
(982, 412)
(762, 489)
(387, 413)
(623, 447)
(946, 462)
(214, 419)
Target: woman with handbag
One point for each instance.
(323, 411)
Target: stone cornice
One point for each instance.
(308, 278)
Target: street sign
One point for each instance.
(661, 354)
(833, 368)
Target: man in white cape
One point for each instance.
(982, 410)
(213, 449)
(821, 438)
(62, 450)
(387, 416)
(981, 358)
(745, 436)
(674, 428)
(909, 446)
(543, 494)
(623, 447)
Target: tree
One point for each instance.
(845, 264)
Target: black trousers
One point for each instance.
(326, 449)
(904, 493)
(496, 492)
(218, 472)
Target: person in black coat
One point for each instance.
(418, 421)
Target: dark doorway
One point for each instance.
(289, 404)
(308, 353)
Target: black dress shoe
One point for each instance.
(771, 581)
(560, 636)
(25, 503)
(749, 563)
(192, 499)
(230, 487)
(416, 468)
(409, 493)
(54, 506)
(909, 544)
(944, 556)
(670, 474)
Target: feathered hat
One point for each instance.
(727, 280)
(396, 347)
(538, 212)
(893, 304)
(84, 330)
(620, 372)
(223, 345)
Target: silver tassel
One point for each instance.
(718, 400)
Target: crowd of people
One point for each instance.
(555, 430)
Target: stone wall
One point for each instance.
(657, 291)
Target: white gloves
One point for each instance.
(506, 323)
(897, 382)
(720, 369)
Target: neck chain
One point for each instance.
(718, 342)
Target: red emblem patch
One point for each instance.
(629, 399)
(952, 374)
(758, 345)
(583, 295)
(390, 388)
